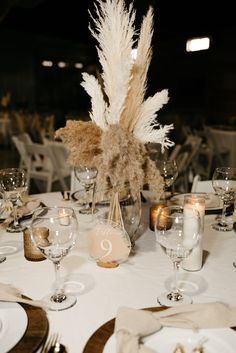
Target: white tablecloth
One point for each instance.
(135, 283)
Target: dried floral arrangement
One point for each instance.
(122, 120)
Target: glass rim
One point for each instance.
(12, 170)
(225, 169)
(40, 211)
(180, 210)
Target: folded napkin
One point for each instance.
(25, 209)
(132, 325)
(8, 293)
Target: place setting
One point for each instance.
(16, 205)
(189, 328)
(31, 318)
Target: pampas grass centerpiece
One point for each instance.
(122, 119)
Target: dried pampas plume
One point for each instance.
(122, 120)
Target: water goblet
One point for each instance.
(224, 184)
(169, 171)
(13, 183)
(87, 177)
(177, 231)
(54, 231)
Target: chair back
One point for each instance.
(184, 156)
(221, 153)
(202, 185)
(54, 166)
(59, 157)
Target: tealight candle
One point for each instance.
(154, 211)
(64, 217)
(194, 261)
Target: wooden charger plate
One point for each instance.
(97, 341)
(36, 331)
(99, 338)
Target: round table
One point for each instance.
(135, 283)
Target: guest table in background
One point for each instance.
(135, 283)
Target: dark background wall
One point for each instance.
(202, 85)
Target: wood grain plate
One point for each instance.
(36, 331)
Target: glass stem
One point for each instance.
(87, 206)
(15, 217)
(223, 216)
(58, 291)
(164, 194)
(93, 198)
(176, 273)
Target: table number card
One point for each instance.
(108, 244)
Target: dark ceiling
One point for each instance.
(69, 19)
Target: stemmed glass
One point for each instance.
(13, 183)
(169, 171)
(224, 184)
(177, 231)
(87, 177)
(54, 231)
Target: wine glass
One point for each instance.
(13, 183)
(54, 231)
(177, 231)
(169, 171)
(224, 184)
(87, 177)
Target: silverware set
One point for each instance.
(53, 345)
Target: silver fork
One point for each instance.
(51, 341)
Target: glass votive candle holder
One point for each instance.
(194, 261)
(31, 252)
(153, 214)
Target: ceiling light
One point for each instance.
(196, 44)
(78, 65)
(47, 63)
(61, 64)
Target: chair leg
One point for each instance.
(49, 184)
(63, 184)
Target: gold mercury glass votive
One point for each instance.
(31, 252)
(153, 214)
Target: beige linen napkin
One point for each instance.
(8, 293)
(132, 325)
(28, 205)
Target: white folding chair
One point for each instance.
(184, 158)
(54, 167)
(19, 142)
